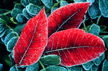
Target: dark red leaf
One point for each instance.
(74, 46)
(69, 16)
(32, 41)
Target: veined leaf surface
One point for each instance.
(32, 41)
(69, 16)
(74, 46)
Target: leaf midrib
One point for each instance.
(62, 49)
(69, 18)
(28, 45)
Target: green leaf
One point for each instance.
(18, 5)
(94, 29)
(2, 28)
(33, 9)
(25, 13)
(11, 56)
(11, 43)
(47, 3)
(91, 1)
(24, 2)
(103, 6)
(79, 1)
(102, 57)
(75, 68)
(105, 38)
(87, 65)
(105, 65)
(8, 37)
(36, 2)
(13, 68)
(19, 28)
(50, 60)
(52, 9)
(63, 3)
(103, 27)
(94, 11)
(20, 18)
(6, 18)
(55, 68)
(6, 33)
(97, 61)
(94, 68)
(57, 0)
(33, 67)
(2, 21)
(1, 67)
(15, 11)
(2, 33)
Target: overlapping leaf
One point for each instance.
(74, 46)
(69, 16)
(32, 41)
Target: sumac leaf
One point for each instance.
(74, 46)
(69, 16)
(32, 41)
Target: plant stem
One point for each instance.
(6, 13)
(11, 18)
(85, 27)
(42, 65)
(98, 19)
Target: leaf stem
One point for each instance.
(85, 27)
(98, 19)
(11, 18)
(42, 65)
(6, 13)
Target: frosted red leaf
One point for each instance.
(69, 16)
(32, 41)
(74, 46)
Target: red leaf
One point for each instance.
(74, 46)
(32, 41)
(69, 16)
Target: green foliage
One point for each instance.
(96, 28)
(94, 68)
(52, 9)
(87, 65)
(33, 67)
(55, 68)
(1, 67)
(94, 11)
(105, 65)
(20, 18)
(33, 9)
(11, 43)
(47, 3)
(105, 38)
(18, 6)
(63, 3)
(103, 6)
(24, 2)
(26, 14)
(75, 68)
(50, 60)
(15, 11)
